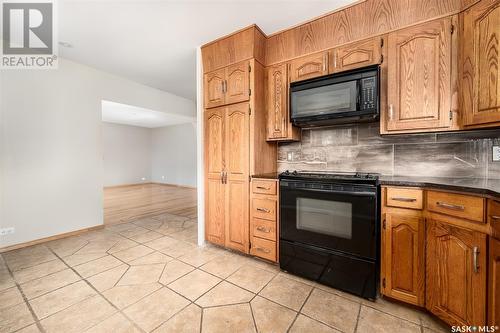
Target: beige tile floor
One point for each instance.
(149, 276)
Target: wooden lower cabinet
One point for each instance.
(403, 259)
(456, 273)
(494, 284)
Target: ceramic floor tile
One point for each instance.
(117, 323)
(38, 271)
(29, 329)
(231, 318)
(155, 309)
(97, 266)
(304, 324)
(15, 317)
(10, 297)
(148, 223)
(371, 320)
(133, 231)
(79, 317)
(6, 280)
(395, 309)
(286, 292)
(329, 289)
(60, 299)
(162, 243)
(186, 321)
(98, 246)
(433, 323)
(146, 237)
(333, 310)
(67, 246)
(251, 278)
(199, 256)
(27, 257)
(152, 258)
(143, 274)
(271, 317)
(78, 259)
(224, 294)
(48, 283)
(108, 279)
(180, 249)
(194, 284)
(121, 245)
(169, 218)
(173, 270)
(120, 227)
(133, 253)
(123, 296)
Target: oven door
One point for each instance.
(336, 217)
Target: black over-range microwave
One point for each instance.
(347, 97)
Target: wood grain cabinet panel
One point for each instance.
(309, 67)
(494, 217)
(237, 146)
(214, 88)
(480, 68)
(403, 257)
(237, 83)
(404, 197)
(419, 78)
(494, 284)
(356, 55)
(459, 205)
(214, 166)
(456, 273)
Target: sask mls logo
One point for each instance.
(28, 35)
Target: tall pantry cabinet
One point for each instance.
(235, 130)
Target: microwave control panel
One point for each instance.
(368, 93)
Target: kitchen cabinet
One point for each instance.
(228, 85)
(455, 273)
(214, 165)
(494, 284)
(479, 64)
(356, 55)
(309, 67)
(419, 71)
(279, 126)
(403, 256)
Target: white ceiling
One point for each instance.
(135, 116)
(154, 42)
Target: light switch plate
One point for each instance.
(496, 153)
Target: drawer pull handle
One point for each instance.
(404, 199)
(495, 217)
(261, 249)
(264, 210)
(263, 188)
(475, 254)
(450, 206)
(264, 229)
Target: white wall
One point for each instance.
(51, 147)
(173, 157)
(126, 154)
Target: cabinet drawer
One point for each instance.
(263, 248)
(494, 217)
(264, 229)
(264, 209)
(463, 206)
(264, 186)
(404, 197)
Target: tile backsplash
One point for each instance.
(361, 148)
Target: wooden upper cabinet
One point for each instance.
(308, 67)
(227, 85)
(403, 256)
(214, 88)
(356, 55)
(419, 78)
(214, 167)
(279, 126)
(456, 274)
(480, 67)
(494, 284)
(237, 83)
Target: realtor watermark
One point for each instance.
(474, 329)
(29, 34)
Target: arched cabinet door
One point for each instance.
(238, 83)
(214, 88)
(480, 67)
(419, 77)
(237, 141)
(308, 67)
(214, 167)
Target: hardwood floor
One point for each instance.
(127, 203)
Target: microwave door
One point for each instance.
(325, 100)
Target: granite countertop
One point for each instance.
(472, 185)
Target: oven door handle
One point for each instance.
(351, 193)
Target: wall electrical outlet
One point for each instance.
(496, 154)
(289, 156)
(7, 231)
